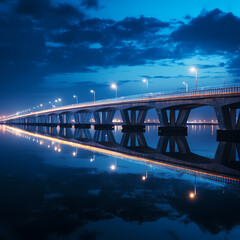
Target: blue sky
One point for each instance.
(57, 48)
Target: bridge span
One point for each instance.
(173, 110)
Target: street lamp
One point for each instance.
(114, 86)
(194, 70)
(184, 83)
(146, 81)
(76, 98)
(92, 91)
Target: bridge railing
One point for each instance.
(159, 95)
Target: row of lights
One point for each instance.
(192, 195)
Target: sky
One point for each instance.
(57, 48)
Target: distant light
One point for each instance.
(59, 99)
(48, 146)
(59, 150)
(144, 178)
(56, 100)
(74, 96)
(92, 91)
(74, 154)
(114, 86)
(144, 80)
(55, 148)
(113, 167)
(49, 102)
(91, 160)
(193, 69)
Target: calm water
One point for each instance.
(53, 188)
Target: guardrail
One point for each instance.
(157, 95)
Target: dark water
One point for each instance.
(53, 188)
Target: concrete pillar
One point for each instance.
(125, 116)
(224, 117)
(162, 116)
(183, 117)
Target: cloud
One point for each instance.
(211, 32)
(90, 4)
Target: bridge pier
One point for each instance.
(52, 120)
(103, 119)
(228, 122)
(226, 154)
(133, 119)
(82, 119)
(174, 121)
(133, 140)
(82, 134)
(104, 136)
(65, 119)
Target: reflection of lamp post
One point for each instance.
(146, 81)
(193, 194)
(184, 83)
(114, 86)
(144, 177)
(194, 70)
(93, 158)
(92, 91)
(114, 166)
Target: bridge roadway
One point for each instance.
(173, 110)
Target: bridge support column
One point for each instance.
(226, 154)
(228, 122)
(133, 119)
(178, 143)
(133, 140)
(104, 136)
(52, 120)
(82, 119)
(103, 119)
(65, 119)
(173, 122)
(82, 134)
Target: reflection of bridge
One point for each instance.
(172, 109)
(169, 150)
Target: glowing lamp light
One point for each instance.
(114, 86)
(91, 159)
(74, 154)
(144, 178)
(144, 80)
(193, 69)
(113, 167)
(59, 150)
(192, 195)
(59, 99)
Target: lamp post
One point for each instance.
(75, 96)
(184, 83)
(92, 91)
(114, 86)
(146, 81)
(194, 70)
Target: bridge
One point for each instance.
(173, 110)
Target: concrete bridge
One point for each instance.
(173, 110)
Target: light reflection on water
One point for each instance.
(55, 191)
